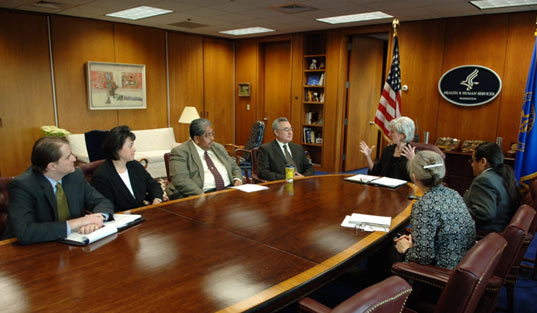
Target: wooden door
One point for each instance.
(276, 95)
(365, 83)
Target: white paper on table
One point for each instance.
(250, 187)
(361, 178)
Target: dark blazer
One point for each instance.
(397, 170)
(272, 162)
(107, 181)
(33, 213)
(488, 202)
(187, 173)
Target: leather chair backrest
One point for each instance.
(530, 198)
(427, 146)
(387, 296)
(256, 135)
(89, 168)
(514, 233)
(94, 144)
(255, 169)
(167, 164)
(4, 197)
(469, 278)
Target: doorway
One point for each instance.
(275, 83)
(366, 67)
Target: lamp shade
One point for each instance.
(189, 114)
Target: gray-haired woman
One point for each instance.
(394, 157)
(442, 228)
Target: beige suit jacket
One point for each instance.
(186, 169)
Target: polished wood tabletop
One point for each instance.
(228, 251)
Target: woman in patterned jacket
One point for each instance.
(442, 228)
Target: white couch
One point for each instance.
(150, 144)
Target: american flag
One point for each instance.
(390, 99)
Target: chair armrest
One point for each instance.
(428, 274)
(144, 162)
(308, 305)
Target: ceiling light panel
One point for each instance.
(493, 4)
(139, 13)
(247, 31)
(354, 17)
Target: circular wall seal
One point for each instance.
(470, 85)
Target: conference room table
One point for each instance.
(228, 251)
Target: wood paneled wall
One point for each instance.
(218, 87)
(502, 42)
(185, 54)
(25, 88)
(200, 71)
(201, 74)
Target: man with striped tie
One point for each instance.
(49, 200)
(201, 165)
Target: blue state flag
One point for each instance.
(526, 155)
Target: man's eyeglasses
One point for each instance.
(287, 129)
(207, 135)
(471, 161)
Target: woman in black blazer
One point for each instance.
(394, 157)
(121, 178)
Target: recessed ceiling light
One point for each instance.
(139, 13)
(355, 17)
(492, 4)
(247, 31)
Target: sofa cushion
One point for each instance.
(154, 139)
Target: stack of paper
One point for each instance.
(367, 222)
(120, 222)
(361, 178)
(376, 180)
(250, 187)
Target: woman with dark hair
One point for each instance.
(122, 179)
(493, 197)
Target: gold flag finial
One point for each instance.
(535, 34)
(395, 23)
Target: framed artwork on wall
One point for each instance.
(244, 89)
(113, 86)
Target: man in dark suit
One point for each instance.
(48, 201)
(276, 155)
(201, 165)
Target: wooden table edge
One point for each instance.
(316, 270)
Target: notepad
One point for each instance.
(121, 221)
(250, 187)
(377, 180)
(367, 222)
(361, 178)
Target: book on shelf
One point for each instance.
(367, 222)
(321, 80)
(312, 117)
(376, 180)
(314, 79)
(120, 222)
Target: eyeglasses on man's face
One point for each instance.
(208, 135)
(287, 129)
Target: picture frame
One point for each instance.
(116, 86)
(244, 90)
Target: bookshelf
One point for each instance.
(313, 101)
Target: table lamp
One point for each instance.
(189, 114)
